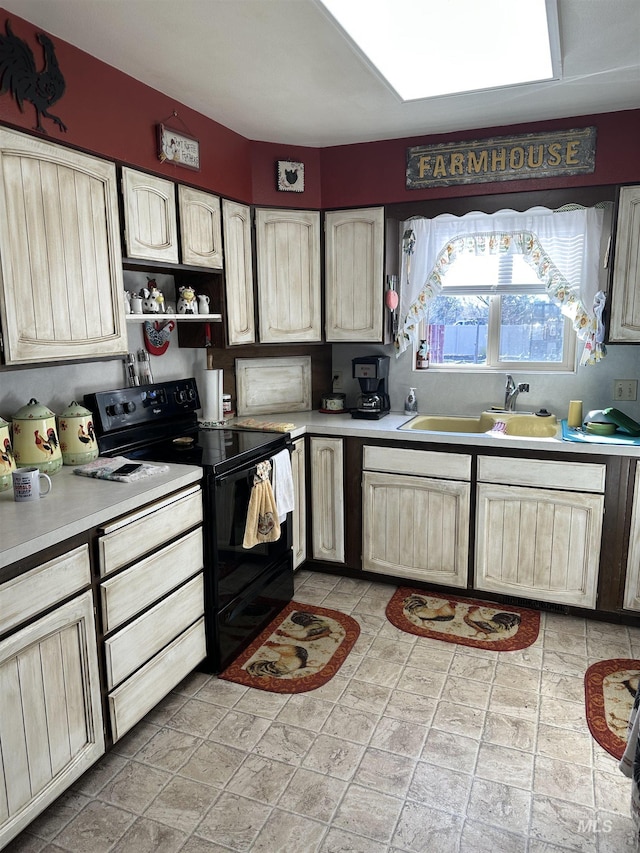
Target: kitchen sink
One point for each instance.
(523, 424)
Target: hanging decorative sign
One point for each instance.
(290, 176)
(503, 158)
(175, 146)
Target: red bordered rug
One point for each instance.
(300, 650)
(610, 687)
(466, 621)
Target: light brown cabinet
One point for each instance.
(239, 309)
(299, 515)
(200, 228)
(624, 322)
(50, 706)
(288, 273)
(416, 514)
(327, 499)
(153, 610)
(538, 529)
(354, 260)
(632, 581)
(61, 285)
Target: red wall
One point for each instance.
(113, 115)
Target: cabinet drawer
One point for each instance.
(138, 587)
(135, 535)
(145, 636)
(138, 695)
(397, 460)
(575, 476)
(42, 587)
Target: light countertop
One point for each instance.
(76, 504)
(342, 424)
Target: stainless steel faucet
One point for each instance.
(511, 391)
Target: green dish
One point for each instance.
(622, 421)
(600, 429)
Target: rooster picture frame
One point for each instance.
(290, 176)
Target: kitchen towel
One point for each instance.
(210, 390)
(262, 516)
(283, 484)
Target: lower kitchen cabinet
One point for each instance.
(416, 514)
(299, 515)
(327, 499)
(51, 727)
(632, 583)
(538, 529)
(153, 607)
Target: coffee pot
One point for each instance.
(7, 460)
(35, 438)
(371, 371)
(77, 436)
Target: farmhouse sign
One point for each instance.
(503, 158)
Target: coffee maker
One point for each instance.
(371, 371)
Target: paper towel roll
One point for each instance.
(210, 389)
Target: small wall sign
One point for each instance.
(503, 158)
(290, 176)
(175, 146)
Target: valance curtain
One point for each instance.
(563, 247)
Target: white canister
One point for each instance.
(77, 436)
(35, 438)
(7, 459)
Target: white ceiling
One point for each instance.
(281, 70)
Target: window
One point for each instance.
(504, 290)
(493, 312)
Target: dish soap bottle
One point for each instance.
(411, 403)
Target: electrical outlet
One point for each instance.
(337, 380)
(625, 389)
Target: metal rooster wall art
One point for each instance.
(19, 76)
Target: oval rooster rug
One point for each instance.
(610, 687)
(300, 650)
(466, 621)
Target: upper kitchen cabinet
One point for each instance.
(60, 255)
(200, 228)
(288, 251)
(354, 258)
(624, 323)
(240, 313)
(151, 227)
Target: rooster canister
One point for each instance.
(35, 438)
(7, 461)
(77, 437)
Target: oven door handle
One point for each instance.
(222, 478)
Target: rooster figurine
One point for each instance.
(19, 76)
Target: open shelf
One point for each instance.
(181, 318)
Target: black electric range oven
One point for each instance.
(244, 587)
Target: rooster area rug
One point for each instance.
(466, 621)
(610, 686)
(300, 650)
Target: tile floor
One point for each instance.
(415, 745)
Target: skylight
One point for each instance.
(426, 48)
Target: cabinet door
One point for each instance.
(354, 256)
(632, 584)
(299, 516)
(200, 228)
(538, 543)
(624, 323)
(240, 310)
(416, 527)
(288, 246)
(50, 711)
(327, 499)
(61, 262)
(151, 229)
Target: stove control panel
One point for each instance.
(127, 408)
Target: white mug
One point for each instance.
(27, 484)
